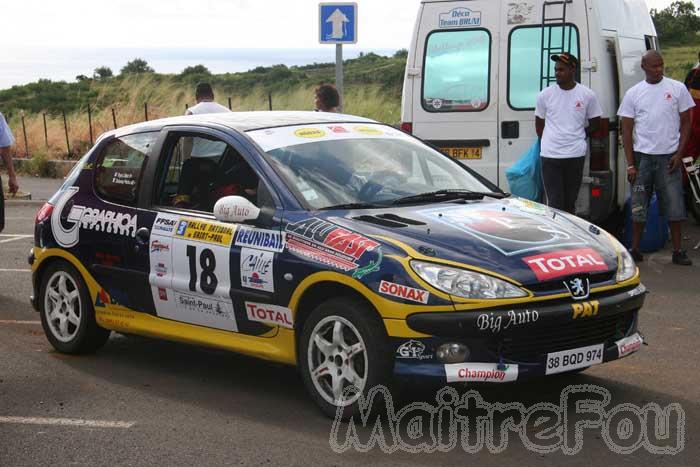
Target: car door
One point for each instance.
(204, 271)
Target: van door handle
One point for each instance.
(510, 130)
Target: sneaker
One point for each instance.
(637, 256)
(681, 257)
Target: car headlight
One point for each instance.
(626, 268)
(465, 284)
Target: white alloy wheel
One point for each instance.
(62, 306)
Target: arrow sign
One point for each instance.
(337, 23)
(338, 19)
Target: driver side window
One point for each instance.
(199, 169)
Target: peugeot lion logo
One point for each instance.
(578, 287)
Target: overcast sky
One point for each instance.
(202, 23)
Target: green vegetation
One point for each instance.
(677, 24)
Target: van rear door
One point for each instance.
(455, 105)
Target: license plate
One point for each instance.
(574, 359)
(463, 153)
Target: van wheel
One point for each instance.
(67, 315)
(342, 354)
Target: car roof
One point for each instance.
(243, 121)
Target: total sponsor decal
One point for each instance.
(494, 323)
(205, 231)
(565, 263)
(256, 269)
(269, 240)
(480, 372)
(414, 350)
(158, 246)
(270, 314)
(328, 243)
(404, 291)
(629, 345)
(100, 220)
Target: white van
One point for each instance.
(475, 68)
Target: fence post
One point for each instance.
(46, 131)
(90, 123)
(24, 131)
(229, 103)
(269, 99)
(65, 125)
(114, 118)
(145, 110)
(187, 106)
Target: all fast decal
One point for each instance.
(404, 291)
(481, 372)
(198, 230)
(256, 269)
(269, 240)
(269, 314)
(508, 231)
(100, 220)
(565, 263)
(327, 243)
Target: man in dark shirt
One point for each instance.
(692, 82)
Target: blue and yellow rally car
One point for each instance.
(327, 241)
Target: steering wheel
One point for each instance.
(378, 181)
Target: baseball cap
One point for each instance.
(566, 57)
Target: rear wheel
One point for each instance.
(67, 315)
(342, 355)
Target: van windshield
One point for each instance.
(367, 166)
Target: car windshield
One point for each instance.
(363, 166)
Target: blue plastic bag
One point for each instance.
(525, 176)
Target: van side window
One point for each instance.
(525, 61)
(456, 74)
(119, 167)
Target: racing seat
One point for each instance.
(195, 186)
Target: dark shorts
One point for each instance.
(653, 175)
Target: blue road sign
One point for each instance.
(337, 23)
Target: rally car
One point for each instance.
(331, 242)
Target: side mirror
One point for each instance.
(235, 209)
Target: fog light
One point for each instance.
(452, 353)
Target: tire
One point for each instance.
(353, 346)
(66, 310)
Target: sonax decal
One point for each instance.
(404, 291)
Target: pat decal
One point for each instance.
(480, 372)
(404, 291)
(256, 269)
(269, 240)
(565, 263)
(327, 243)
(585, 309)
(413, 350)
(496, 323)
(510, 231)
(99, 220)
(206, 231)
(269, 314)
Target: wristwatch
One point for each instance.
(631, 167)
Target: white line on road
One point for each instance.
(15, 270)
(16, 321)
(7, 240)
(17, 235)
(67, 422)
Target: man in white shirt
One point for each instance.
(566, 113)
(204, 95)
(655, 130)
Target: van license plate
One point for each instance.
(463, 153)
(574, 359)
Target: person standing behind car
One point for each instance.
(6, 142)
(326, 99)
(655, 130)
(566, 113)
(204, 95)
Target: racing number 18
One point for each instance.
(207, 261)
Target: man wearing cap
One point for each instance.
(655, 117)
(566, 113)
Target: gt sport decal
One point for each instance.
(256, 269)
(101, 220)
(270, 240)
(329, 244)
(565, 263)
(190, 273)
(273, 315)
(511, 232)
(481, 372)
(403, 291)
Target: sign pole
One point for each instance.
(339, 73)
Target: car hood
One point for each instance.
(525, 241)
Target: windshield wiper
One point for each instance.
(446, 195)
(354, 206)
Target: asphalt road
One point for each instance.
(146, 402)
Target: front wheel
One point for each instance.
(342, 354)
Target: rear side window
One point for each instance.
(525, 61)
(118, 171)
(456, 75)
